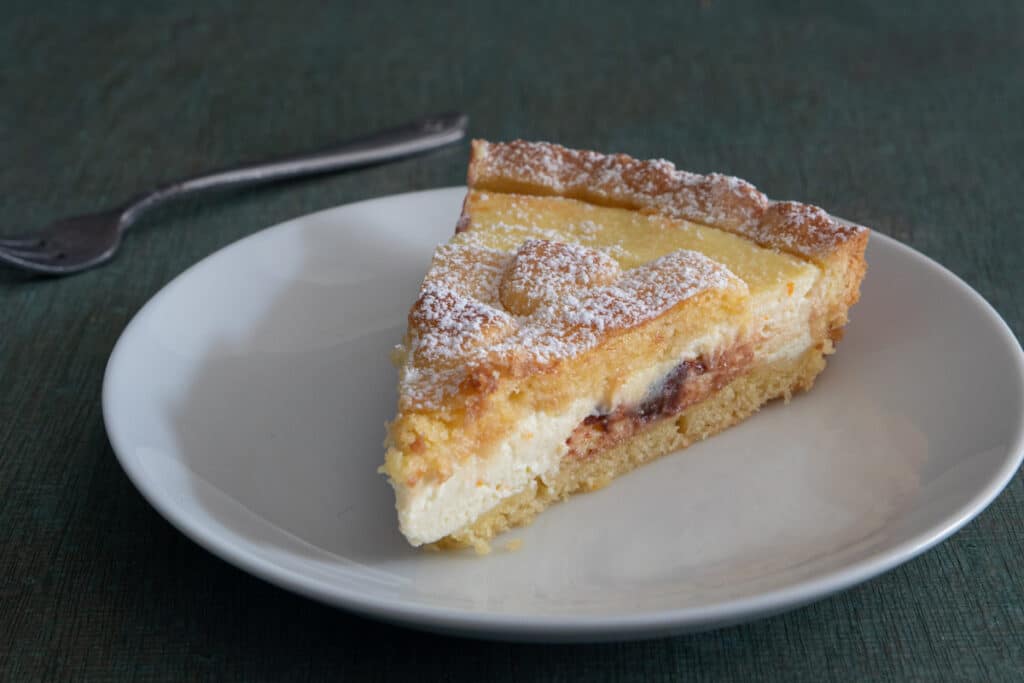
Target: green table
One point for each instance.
(910, 120)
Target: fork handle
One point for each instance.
(413, 138)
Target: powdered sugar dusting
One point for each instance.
(543, 271)
(576, 298)
(473, 271)
(793, 226)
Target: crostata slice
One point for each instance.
(593, 312)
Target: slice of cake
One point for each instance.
(591, 313)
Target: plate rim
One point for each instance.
(555, 627)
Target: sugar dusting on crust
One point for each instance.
(542, 271)
(657, 186)
(788, 225)
(459, 324)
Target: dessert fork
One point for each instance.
(74, 244)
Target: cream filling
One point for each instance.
(637, 387)
(428, 512)
(785, 321)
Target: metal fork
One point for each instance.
(74, 244)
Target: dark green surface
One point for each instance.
(907, 119)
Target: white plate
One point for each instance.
(247, 403)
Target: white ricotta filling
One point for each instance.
(429, 512)
(785, 321)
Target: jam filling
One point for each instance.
(686, 384)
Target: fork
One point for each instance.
(74, 244)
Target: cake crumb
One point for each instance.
(513, 545)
